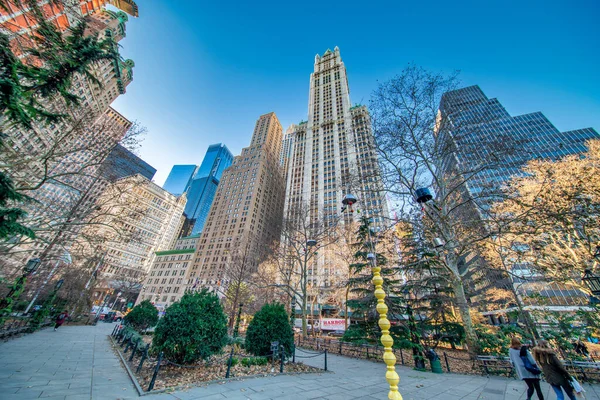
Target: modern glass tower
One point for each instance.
(495, 146)
(179, 179)
(484, 132)
(203, 186)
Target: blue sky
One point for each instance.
(205, 71)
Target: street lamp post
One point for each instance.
(384, 323)
(591, 280)
(293, 312)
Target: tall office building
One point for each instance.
(66, 155)
(246, 213)
(332, 156)
(203, 187)
(332, 153)
(179, 179)
(481, 133)
(286, 148)
(122, 163)
(150, 218)
(481, 126)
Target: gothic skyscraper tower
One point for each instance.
(333, 151)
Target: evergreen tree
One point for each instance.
(193, 328)
(364, 302)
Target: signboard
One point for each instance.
(333, 324)
(274, 347)
(326, 324)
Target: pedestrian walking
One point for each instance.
(554, 371)
(60, 319)
(526, 367)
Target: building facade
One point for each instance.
(331, 155)
(178, 181)
(483, 133)
(149, 219)
(475, 119)
(61, 161)
(122, 163)
(246, 214)
(167, 279)
(203, 187)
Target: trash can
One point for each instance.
(434, 359)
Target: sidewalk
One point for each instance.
(78, 363)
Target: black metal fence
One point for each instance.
(132, 343)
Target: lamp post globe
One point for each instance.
(592, 281)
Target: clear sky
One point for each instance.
(205, 70)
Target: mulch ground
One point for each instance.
(213, 370)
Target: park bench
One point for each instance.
(585, 370)
(494, 365)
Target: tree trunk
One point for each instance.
(464, 311)
(346, 308)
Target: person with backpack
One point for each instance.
(554, 371)
(60, 319)
(525, 367)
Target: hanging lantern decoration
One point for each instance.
(348, 201)
(423, 195)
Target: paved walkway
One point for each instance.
(78, 363)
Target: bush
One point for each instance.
(193, 328)
(246, 362)
(142, 316)
(270, 324)
(355, 333)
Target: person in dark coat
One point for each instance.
(516, 351)
(60, 319)
(554, 371)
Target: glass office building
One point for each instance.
(121, 163)
(483, 132)
(494, 146)
(179, 179)
(203, 186)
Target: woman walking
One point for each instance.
(520, 356)
(554, 371)
(60, 319)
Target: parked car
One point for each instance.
(337, 333)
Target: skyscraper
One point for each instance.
(122, 163)
(479, 123)
(486, 139)
(247, 210)
(331, 154)
(203, 186)
(179, 179)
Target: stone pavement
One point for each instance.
(78, 363)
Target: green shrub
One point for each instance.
(143, 316)
(193, 328)
(246, 362)
(234, 361)
(270, 324)
(355, 333)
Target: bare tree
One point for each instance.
(302, 240)
(417, 145)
